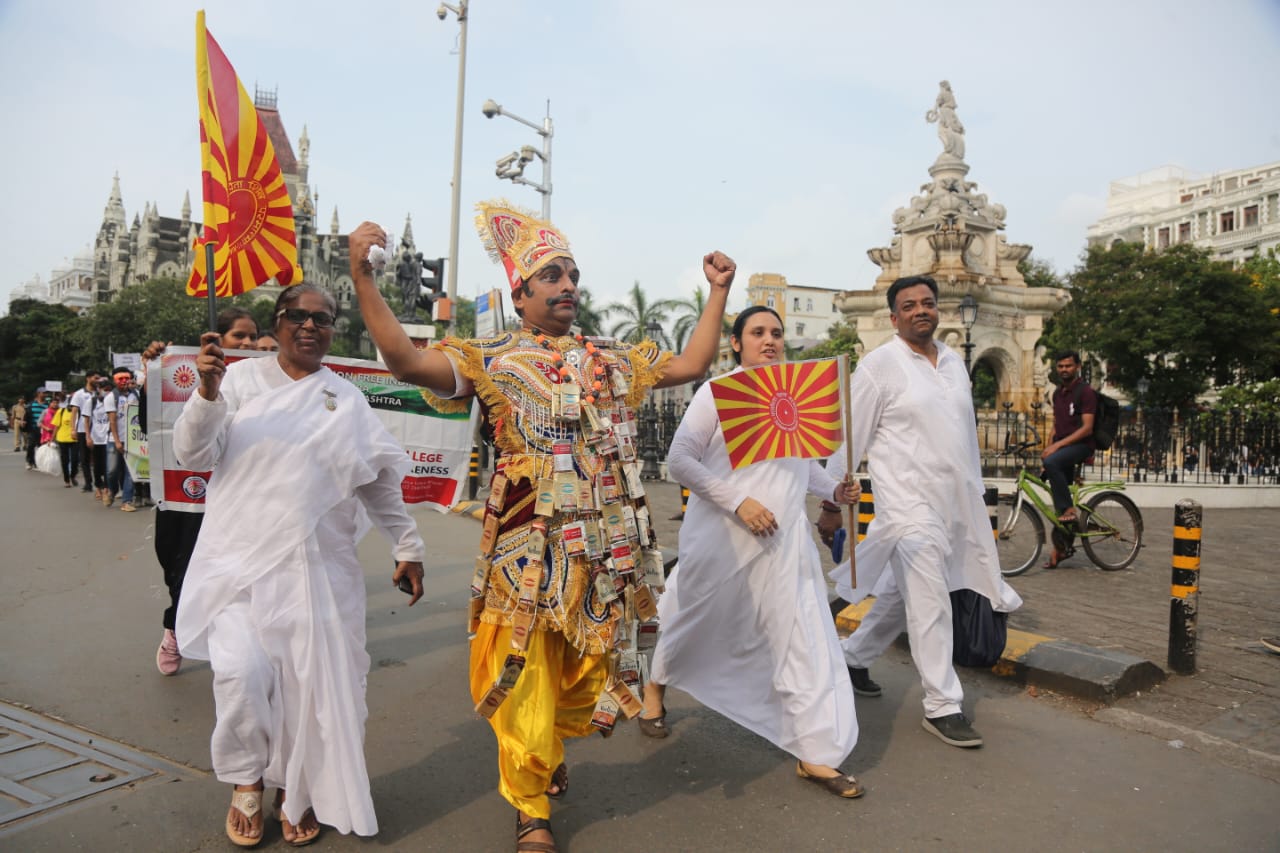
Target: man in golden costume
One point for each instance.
(568, 554)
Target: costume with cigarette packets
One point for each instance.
(568, 556)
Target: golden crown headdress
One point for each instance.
(517, 238)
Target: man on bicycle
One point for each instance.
(1075, 405)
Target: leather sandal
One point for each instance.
(560, 778)
(300, 838)
(524, 827)
(1056, 558)
(654, 727)
(842, 786)
(248, 803)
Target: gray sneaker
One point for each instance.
(953, 729)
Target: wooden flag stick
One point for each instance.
(850, 464)
(209, 277)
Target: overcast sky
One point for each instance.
(783, 133)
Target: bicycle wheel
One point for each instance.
(1019, 545)
(1111, 530)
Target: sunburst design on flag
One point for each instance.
(247, 212)
(780, 411)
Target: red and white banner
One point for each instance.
(438, 444)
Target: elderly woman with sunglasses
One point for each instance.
(274, 597)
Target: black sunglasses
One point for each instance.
(299, 316)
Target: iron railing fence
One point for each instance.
(1153, 445)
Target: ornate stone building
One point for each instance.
(1234, 214)
(153, 245)
(954, 233)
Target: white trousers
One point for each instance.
(245, 695)
(917, 600)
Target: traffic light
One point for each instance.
(432, 283)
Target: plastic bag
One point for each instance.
(978, 632)
(48, 460)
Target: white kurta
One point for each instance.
(916, 425)
(746, 629)
(275, 595)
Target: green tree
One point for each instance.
(1039, 273)
(590, 318)
(155, 310)
(464, 319)
(842, 339)
(38, 342)
(637, 313)
(1175, 319)
(689, 311)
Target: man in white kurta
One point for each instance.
(912, 412)
(746, 629)
(275, 596)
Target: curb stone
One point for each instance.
(1100, 675)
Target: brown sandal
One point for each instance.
(654, 727)
(842, 786)
(524, 827)
(560, 778)
(1055, 559)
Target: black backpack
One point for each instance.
(1106, 423)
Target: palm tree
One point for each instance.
(691, 310)
(590, 318)
(637, 315)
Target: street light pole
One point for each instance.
(968, 316)
(460, 11)
(511, 167)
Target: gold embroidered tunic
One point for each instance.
(589, 460)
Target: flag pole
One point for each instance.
(852, 509)
(209, 277)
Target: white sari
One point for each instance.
(299, 470)
(745, 625)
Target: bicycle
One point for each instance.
(1108, 523)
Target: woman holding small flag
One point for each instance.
(745, 623)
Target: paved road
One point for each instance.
(80, 603)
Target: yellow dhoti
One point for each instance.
(553, 700)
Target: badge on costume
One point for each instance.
(545, 504)
(489, 702)
(605, 713)
(626, 699)
(330, 399)
(498, 492)
(646, 604)
(489, 534)
(511, 669)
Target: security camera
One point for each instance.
(442, 13)
(527, 153)
(490, 108)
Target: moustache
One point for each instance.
(556, 300)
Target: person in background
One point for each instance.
(18, 423)
(64, 433)
(98, 436)
(35, 411)
(47, 426)
(120, 481)
(177, 530)
(267, 342)
(81, 402)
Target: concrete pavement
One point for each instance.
(80, 604)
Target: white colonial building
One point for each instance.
(807, 312)
(1234, 214)
(72, 283)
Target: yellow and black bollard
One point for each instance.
(991, 497)
(473, 481)
(866, 509)
(1184, 604)
(684, 504)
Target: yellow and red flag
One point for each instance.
(247, 212)
(779, 411)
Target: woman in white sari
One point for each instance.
(746, 628)
(274, 597)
